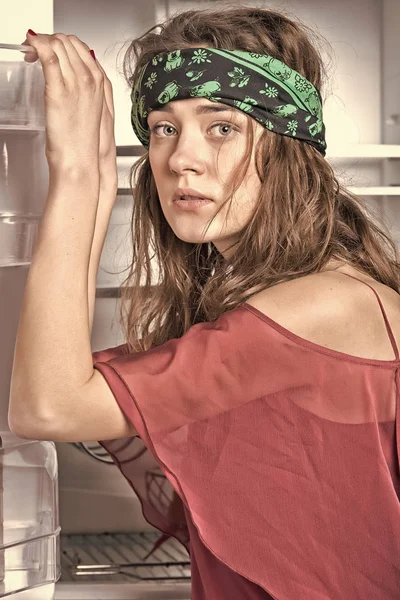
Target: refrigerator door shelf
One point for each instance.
(29, 524)
(21, 88)
(15, 128)
(18, 234)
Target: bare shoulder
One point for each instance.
(335, 311)
(304, 300)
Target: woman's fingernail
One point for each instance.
(93, 54)
(31, 32)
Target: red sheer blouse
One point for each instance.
(273, 459)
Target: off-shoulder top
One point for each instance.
(273, 459)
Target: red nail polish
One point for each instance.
(93, 54)
(31, 32)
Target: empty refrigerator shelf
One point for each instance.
(120, 557)
(113, 566)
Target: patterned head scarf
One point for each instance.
(260, 85)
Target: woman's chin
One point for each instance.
(192, 239)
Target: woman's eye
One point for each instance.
(155, 128)
(223, 125)
(165, 126)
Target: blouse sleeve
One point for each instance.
(161, 506)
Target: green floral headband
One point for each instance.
(260, 85)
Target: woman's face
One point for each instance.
(193, 144)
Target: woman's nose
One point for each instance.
(188, 154)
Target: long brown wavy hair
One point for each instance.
(303, 216)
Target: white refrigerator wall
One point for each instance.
(93, 496)
(391, 72)
(391, 107)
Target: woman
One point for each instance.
(258, 372)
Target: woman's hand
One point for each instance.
(78, 103)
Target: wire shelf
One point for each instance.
(120, 558)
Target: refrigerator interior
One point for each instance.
(104, 537)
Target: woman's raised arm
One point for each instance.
(53, 353)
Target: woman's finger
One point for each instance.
(80, 57)
(108, 92)
(53, 57)
(29, 56)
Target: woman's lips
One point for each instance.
(192, 204)
(193, 198)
